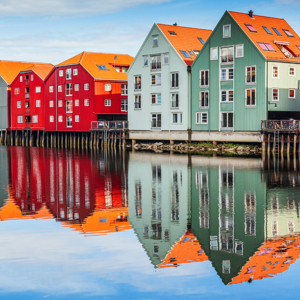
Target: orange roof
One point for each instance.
(90, 60)
(273, 257)
(261, 36)
(41, 70)
(187, 250)
(186, 39)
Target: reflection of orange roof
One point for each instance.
(186, 39)
(263, 37)
(187, 250)
(273, 257)
(103, 221)
(41, 70)
(90, 60)
(11, 211)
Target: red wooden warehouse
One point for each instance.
(87, 87)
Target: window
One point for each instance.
(292, 71)
(124, 89)
(21, 78)
(69, 89)
(227, 55)
(86, 86)
(214, 53)
(298, 47)
(76, 102)
(34, 119)
(166, 58)
(69, 121)
(60, 119)
(59, 88)
(51, 103)
(174, 80)
(204, 99)
(201, 40)
(227, 74)
(155, 251)
(31, 77)
(61, 73)
(75, 72)
(51, 119)
(276, 31)
(175, 100)
(275, 72)
(86, 102)
(69, 106)
(204, 80)
(37, 89)
(196, 52)
(107, 87)
(60, 103)
(68, 73)
(226, 31)
(137, 102)
(76, 118)
(288, 33)
(267, 30)
(18, 104)
(124, 104)
(177, 118)
(227, 120)
(107, 102)
(156, 121)
(145, 59)
(251, 28)
(51, 89)
(17, 91)
(76, 87)
(213, 243)
(156, 98)
(137, 83)
(20, 119)
(250, 74)
(226, 266)
(201, 118)
(38, 103)
(239, 51)
(156, 79)
(250, 97)
(155, 62)
(155, 41)
(266, 46)
(292, 93)
(185, 54)
(227, 96)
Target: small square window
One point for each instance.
(51, 119)
(35, 119)
(38, 103)
(51, 103)
(60, 119)
(107, 87)
(107, 102)
(20, 119)
(77, 102)
(51, 88)
(292, 93)
(75, 72)
(76, 118)
(61, 73)
(86, 86)
(60, 103)
(201, 118)
(86, 102)
(292, 71)
(37, 89)
(226, 31)
(59, 88)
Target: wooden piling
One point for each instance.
(269, 143)
(282, 144)
(30, 138)
(288, 144)
(295, 144)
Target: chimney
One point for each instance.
(250, 13)
(175, 24)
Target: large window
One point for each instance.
(250, 97)
(20, 119)
(175, 100)
(137, 102)
(69, 121)
(201, 118)
(227, 55)
(226, 31)
(204, 99)
(124, 89)
(137, 83)
(204, 78)
(124, 104)
(69, 106)
(227, 96)
(227, 120)
(156, 121)
(174, 80)
(226, 74)
(68, 73)
(156, 62)
(250, 74)
(69, 89)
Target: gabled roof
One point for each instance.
(262, 36)
(186, 39)
(91, 60)
(42, 70)
(10, 69)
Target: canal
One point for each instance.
(142, 225)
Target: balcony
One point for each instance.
(27, 124)
(280, 125)
(26, 95)
(156, 66)
(27, 111)
(26, 82)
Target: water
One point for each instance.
(145, 225)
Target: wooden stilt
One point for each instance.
(282, 144)
(269, 144)
(295, 144)
(288, 144)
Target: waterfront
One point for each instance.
(142, 225)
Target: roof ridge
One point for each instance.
(82, 55)
(24, 62)
(237, 12)
(183, 26)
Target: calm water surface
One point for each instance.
(77, 225)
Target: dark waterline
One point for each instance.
(146, 225)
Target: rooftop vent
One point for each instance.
(250, 13)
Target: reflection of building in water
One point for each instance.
(159, 208)
(3, 175)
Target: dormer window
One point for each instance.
(276, 31)
(172, 33)
(266, 47)
(201, 40)
(267, 30)
(288, 33)
(285, 49)
(185, 53)
(251, 28)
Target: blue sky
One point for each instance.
(54, 30)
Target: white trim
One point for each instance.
(227, 96)
(200, 106)
(236, 56)
(220, 51)
(203, 86)
(277, 71)
(227, 37)
(226, 128)
(294, 94)
(200, 113)
(250, 105)
(250, 83)
(226, 74)
(179, 116)
(273, 92)
(294, 71)
(213, 48)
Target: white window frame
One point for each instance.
(35, 119)
(37, 103)
(199, 117)
(31, 77)
(200, 99)
(294, 94)
(76, 87)
(76, 118)
(51, 119)
(51, 103)
(37, 89)
(124, 88)
(156, 99)
(107, 102)
(156, 79)
(86, 102)
(227, 96)
(51, 88)
(275, 66)
(220, 53)
(200, 71)
(67, 106)
(154, 44)
(70, 89)
(17, 91)
(251, 82)
(226, 74)
(290, 71)
(59, 88)
(86, 86)
(145, 61)
(211, 50)
(68, 74)
(156, 127)
(60, 103)
(250, 105)
(76, 102)
(107, 87)
(229, 36)
(20, 119)
(174, 101)
(19, 104)
(60, 119)
(227, 128)
(61, 73)
(21, 78)
(166, 55)
(69, 117)
(124, 104)
(75, 72)
(277, 94)
(236, 50)
(179, 118)
(139, 97)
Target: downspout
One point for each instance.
(189, 68)
(56, 97)
(267, 94)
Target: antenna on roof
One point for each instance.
(250, 13)
(115, 58)
(175, 24)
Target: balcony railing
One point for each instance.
(26, 82)
(27, 124)
(137, 86)
(156, 66)
(26, 95)
(226, 59)
(27, 111)
(109, 125)
(280, 125)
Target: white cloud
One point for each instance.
(69, 7)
